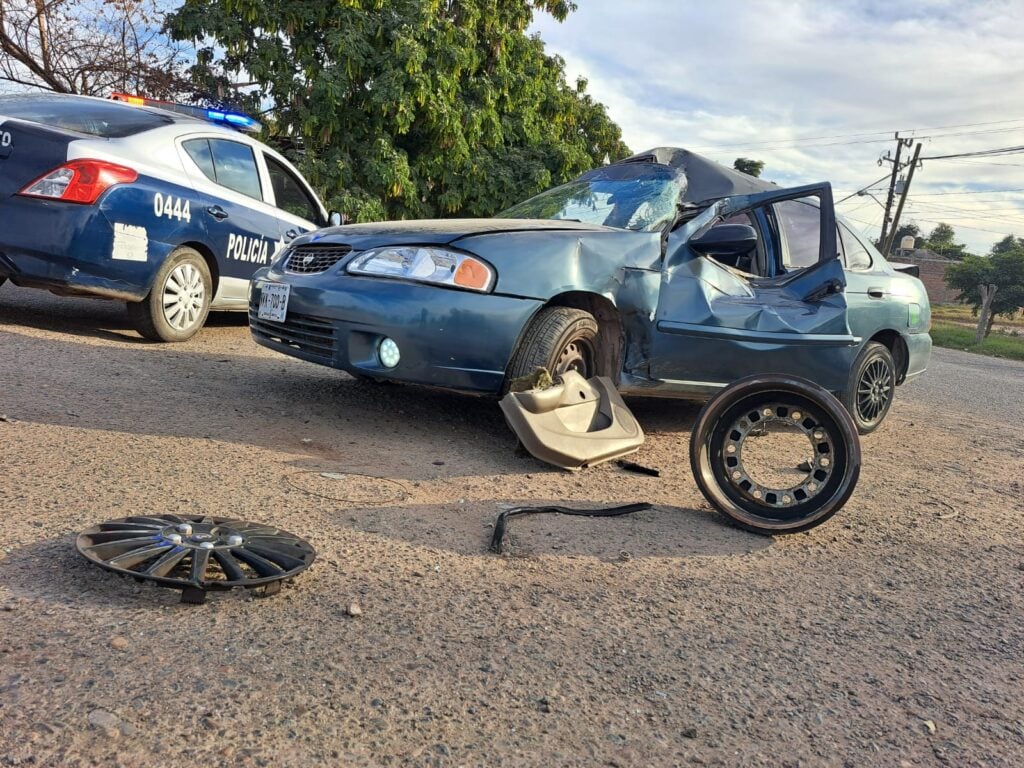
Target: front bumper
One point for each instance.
(447, 338)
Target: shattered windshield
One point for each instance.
(644, 204)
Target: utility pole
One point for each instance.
(903, 198)
(896, 168)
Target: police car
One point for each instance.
(168, 207)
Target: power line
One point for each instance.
(972, 192)
(863, 133)
(863, 189)
(980, 153)
(986, 162)
(965, 226)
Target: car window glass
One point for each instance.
(857, 256)
(800, 222)
(199, 151)
(106, 119)
(289, 193)
(235, 166)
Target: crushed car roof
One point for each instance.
(702, 179)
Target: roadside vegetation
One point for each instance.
(996, 344)
(992, 299)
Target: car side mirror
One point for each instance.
(725, 240)
(335, 219)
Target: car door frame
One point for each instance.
(232, 291)
(715, 324)
(291, 219)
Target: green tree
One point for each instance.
(748, 166)
(998, 277)
(408, 108)
(905, 230)
(942, 240)
(1008, 244)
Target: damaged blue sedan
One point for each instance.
(667, 272)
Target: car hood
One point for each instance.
(437, 231)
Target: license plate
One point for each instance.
(273, 302)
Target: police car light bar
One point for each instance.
(233, 119)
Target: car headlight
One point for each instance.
(425, 264)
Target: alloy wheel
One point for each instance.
(183, 297)
(874, 391)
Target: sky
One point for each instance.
(817, 90)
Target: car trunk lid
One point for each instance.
(27, 151)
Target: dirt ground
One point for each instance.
(892, 635)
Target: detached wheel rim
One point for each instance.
(577, 355)
(874, 391)
(775, 454)
(184, 295)
(746, 481)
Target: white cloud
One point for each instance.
(753, 79)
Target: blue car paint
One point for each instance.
(70, 247)
(690, 325)
(462, 342)
(244, 238)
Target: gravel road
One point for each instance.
(972, 385)
(891, 635)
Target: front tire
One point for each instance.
(872, 386)
(558, 339)
(177, 306)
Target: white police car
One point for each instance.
(165, 206)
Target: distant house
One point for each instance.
(933, 272)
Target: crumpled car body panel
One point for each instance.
(688, 325)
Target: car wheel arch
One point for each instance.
(897, 347)
(211, 262)
(609, 322)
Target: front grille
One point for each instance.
(311, 335)
(310, 259)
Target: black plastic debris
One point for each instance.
(640, 469)
(501, 523)
(197, 554)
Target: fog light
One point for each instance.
(388, 352)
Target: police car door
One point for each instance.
(298, 208)
(234, 204)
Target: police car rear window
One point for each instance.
(108, 120)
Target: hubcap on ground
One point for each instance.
(196, 553)
(874, 391)
(183, 297)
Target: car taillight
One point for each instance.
(79, 181)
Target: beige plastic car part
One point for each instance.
(575, 423)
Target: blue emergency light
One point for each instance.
(233, 119)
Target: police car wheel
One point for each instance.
(179, 301)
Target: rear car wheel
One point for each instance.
(871, 388)
(179, 301)
(559, 339)
(775, 454)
